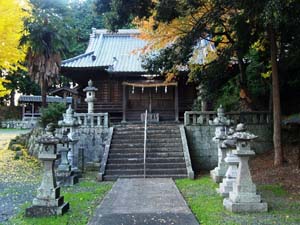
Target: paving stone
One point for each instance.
(152, 201)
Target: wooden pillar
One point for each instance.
(150, 101)
(32, 110)
(23, 111)
(124, 103)
(176, 104)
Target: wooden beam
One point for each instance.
(147, 85)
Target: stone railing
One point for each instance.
(202, 118)
(92, 119)
(19, 124)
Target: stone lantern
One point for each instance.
(243, 197)
(69, 124)
(90, 96)
(65, 176)
(48, 201)
(221, 123)
(232, 161)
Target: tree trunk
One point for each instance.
(278, 152)
(12, 98)
(245, 100)
(44, 93)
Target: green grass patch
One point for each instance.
(202, 199)
(277, 190)
(207, 204)
(83, 199)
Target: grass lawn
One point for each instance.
(207, 206)
(83, 198)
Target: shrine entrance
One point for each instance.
(159, 98)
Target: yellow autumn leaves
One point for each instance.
(11, 28)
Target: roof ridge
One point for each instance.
(120, 31)
(77, 57)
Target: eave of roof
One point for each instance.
(38, 98)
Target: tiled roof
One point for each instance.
(38, 98)
(115, 52)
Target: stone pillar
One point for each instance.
(221, 123)
(90, 96)
(48, 201)
(243, 197)
(232, 161)
(69, 123)
(65, 176)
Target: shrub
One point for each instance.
(15, 147)
(52, 114)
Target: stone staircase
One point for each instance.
(165, 157)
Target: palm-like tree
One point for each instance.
(46, 35)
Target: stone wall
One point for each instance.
(203, 150)
(90, 146)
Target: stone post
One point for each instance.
(90, 96)
(73, 155)
(48, 201)
(221, 123)
(65, 176)
(243, 197)
(232, 161)
(69, 123)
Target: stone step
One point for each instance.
(148, 166)
(141, 150)
(115, 177)
(148, 160)
(148, 171)
(153, 136)
(141, 145)
(149, 129)
(141, 155)
(149, 140)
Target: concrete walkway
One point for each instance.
(143, 201)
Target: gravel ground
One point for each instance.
(19, 179)
(12, 196)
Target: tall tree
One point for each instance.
(11, 27)
(46, 35)
(82, 19)
(235, 27)
(273, 15)
(119, 13)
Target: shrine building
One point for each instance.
(113, 61)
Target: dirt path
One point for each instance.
(18, 178)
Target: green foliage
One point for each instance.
(52, 114)
(21, 82)
(228, 96)
(83, 199)
(233, 27)
(47, 30)
(82, 20)
(119, 13)
(15, 147)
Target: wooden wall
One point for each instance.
(110, 95)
